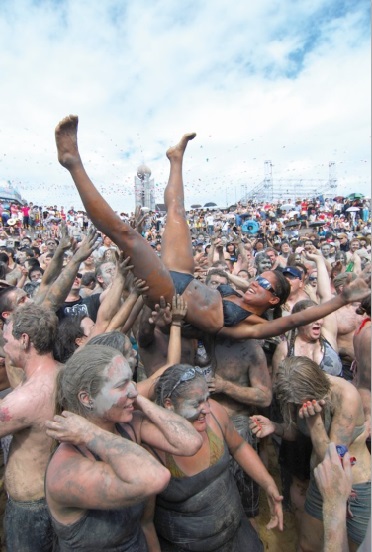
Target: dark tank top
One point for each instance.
(203, 512)
(232, 313)
(109, 530)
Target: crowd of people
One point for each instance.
(151, 360)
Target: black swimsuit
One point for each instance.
(232, 313)
(181, 280)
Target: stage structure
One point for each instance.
(270, 189)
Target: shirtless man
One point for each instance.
(240, 382)
(29, 336)
(362, 348)
(347, 322)
(153, 339)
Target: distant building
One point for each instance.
(9, 193)
(144, 188)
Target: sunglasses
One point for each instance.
(186, 376)
(313, 277)
(265, 284)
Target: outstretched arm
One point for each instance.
(55, 266)
(137, 288)
(62, 285)
(111, 302)
(257, 328)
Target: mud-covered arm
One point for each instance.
(334, 481)
(54, 268)
(62, 285)
(165, 430)
(137, 288)
(126, 474)
(111, 301)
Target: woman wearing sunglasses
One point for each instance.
(234, 315)
(200, 510)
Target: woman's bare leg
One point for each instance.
(147, 264)
(176, 248)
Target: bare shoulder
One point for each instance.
(219, 413)
(346, 395)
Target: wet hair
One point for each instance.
(299, 379)
(88, 278)
(69, 330)
(169, 378)
(35, 268)
(31, 262)
(6, 300)
(115, 339)
(303, 305)
(222, 265)
(39, 323)
(282, 291)
(215, 272)
(82, 372)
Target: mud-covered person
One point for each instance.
(29, 335)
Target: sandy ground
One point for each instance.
(274, 540)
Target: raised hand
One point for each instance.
(311, 408)
(65, 242)
(69, 428)
(261, 426)
(161, 316)
(179, 309)
(88, 245)
(123, 266)
(358, 289)
(139, 286)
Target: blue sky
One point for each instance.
(286, 81)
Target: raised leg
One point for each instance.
(147, 264)
(176, 248)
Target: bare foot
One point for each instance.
(66, 140)
(177, 151)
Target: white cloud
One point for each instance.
(288, 82)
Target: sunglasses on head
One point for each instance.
(189, 375)
(265, 284)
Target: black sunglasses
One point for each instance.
(265, 284)
(186, 376)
